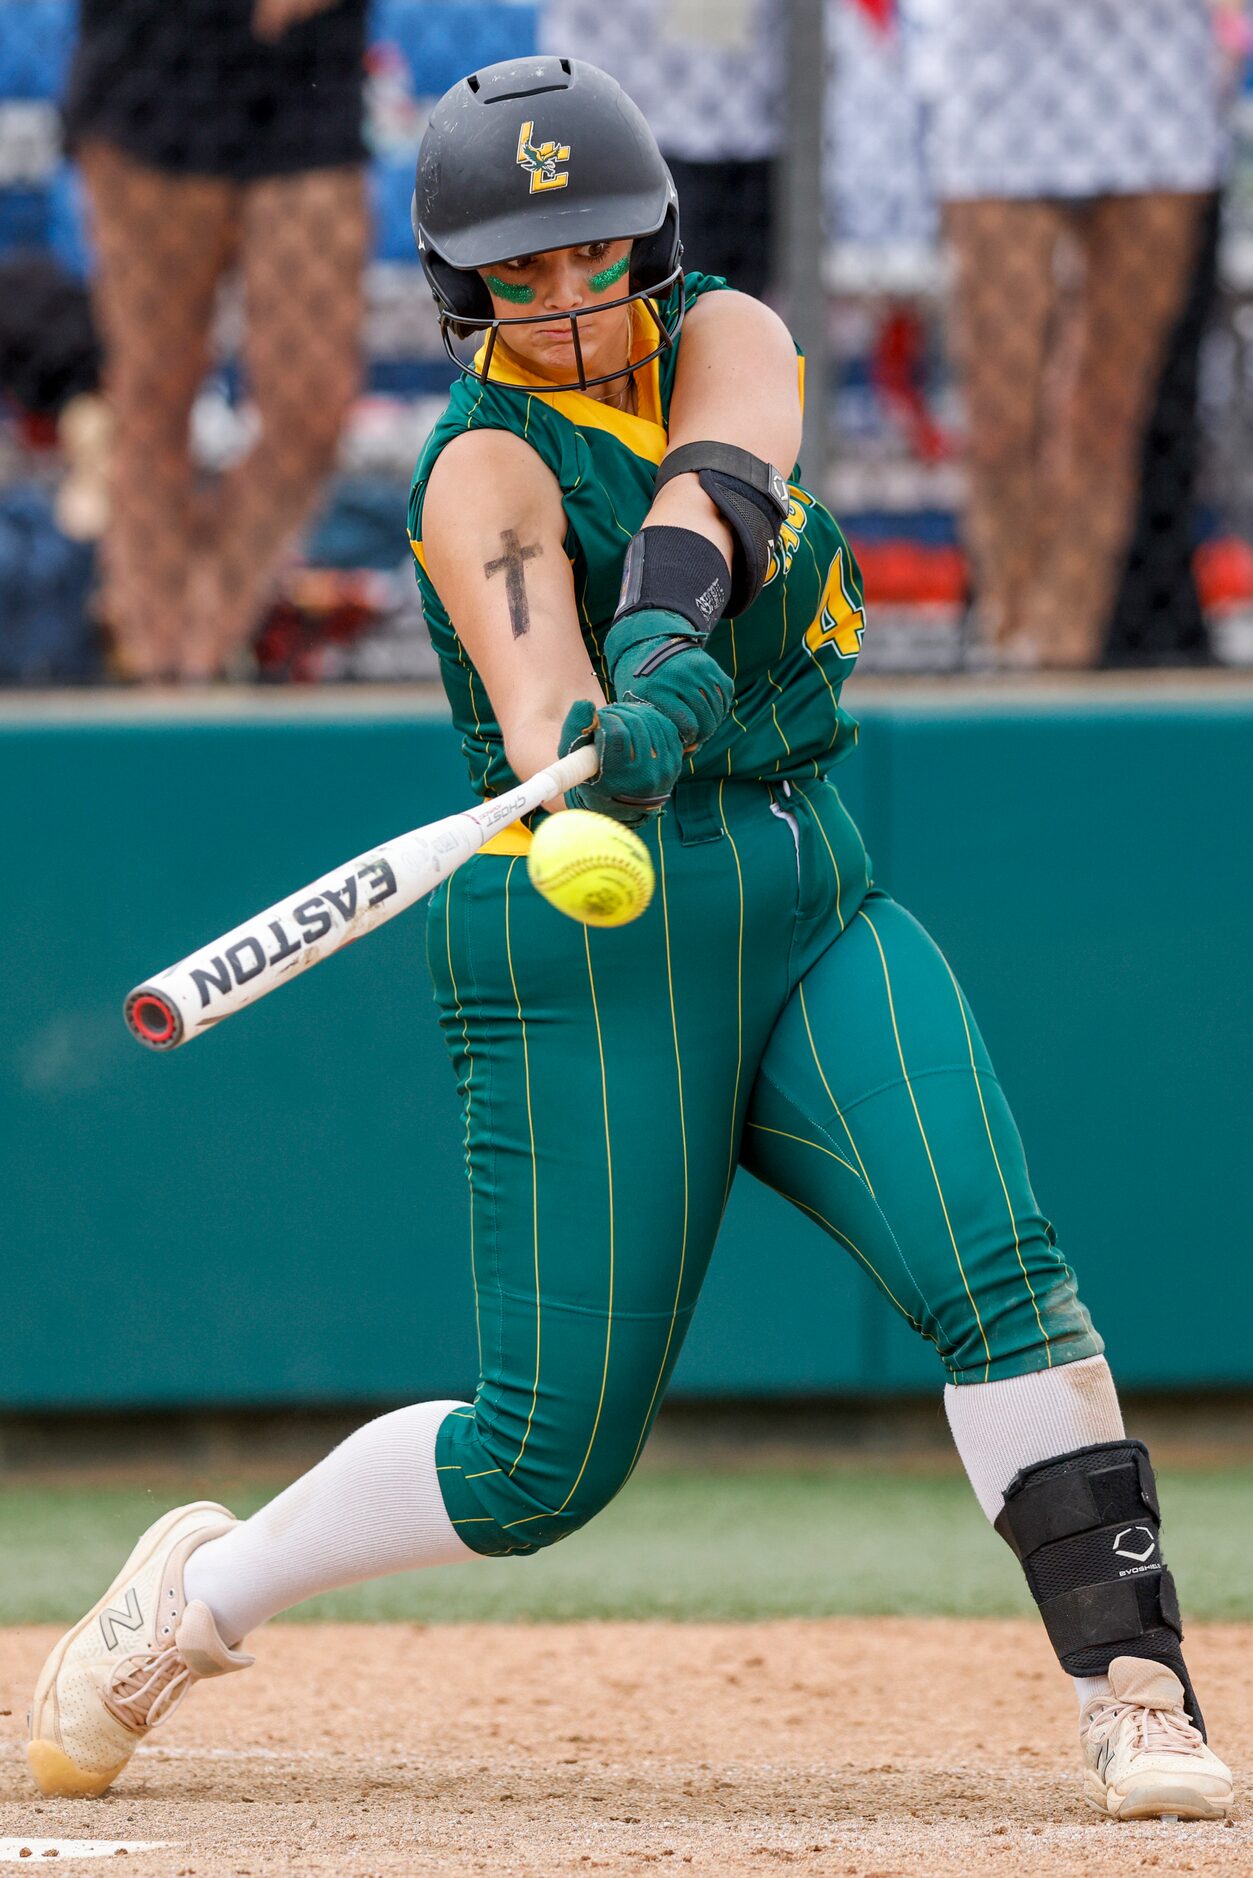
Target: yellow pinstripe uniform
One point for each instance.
(771, 1010)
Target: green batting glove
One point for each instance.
(640, 757)
(655, 657)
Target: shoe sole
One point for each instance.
(1159, 1801)
(55, 1773)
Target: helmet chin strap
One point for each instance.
(624, 400)
(615, 388)
(619, 391)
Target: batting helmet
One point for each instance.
(527, 156)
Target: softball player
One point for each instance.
(607, 551)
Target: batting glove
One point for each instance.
(657, 658)
(640, 757)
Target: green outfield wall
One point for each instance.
(276, 1214)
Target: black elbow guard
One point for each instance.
(752, 498)
(1086, 1528)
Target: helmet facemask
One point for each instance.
(463, 333)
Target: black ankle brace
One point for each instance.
(1087, 1529)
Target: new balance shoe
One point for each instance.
(1143, 1759)
(128, 1664)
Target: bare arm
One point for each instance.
(737, 382)
(493, 532)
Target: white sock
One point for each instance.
(373, 1506)
(1088, 1687)
(1001, 1427)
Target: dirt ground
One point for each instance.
(884, 1748)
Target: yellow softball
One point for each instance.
(591, 867)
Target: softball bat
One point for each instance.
(275, 946)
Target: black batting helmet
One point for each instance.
(527, 156)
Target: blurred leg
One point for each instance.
(1001, 318)
(303, 251)
(1157, 617)
(161, 243)
(1137, 255)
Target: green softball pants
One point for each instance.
(770, 1010)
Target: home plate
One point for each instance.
(13, 1849)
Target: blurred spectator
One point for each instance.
(49, 353)
(708, 75)
(875, 178)
(1077, 143)
(50, 375)
(49, 378)
(212, 133)
(1156, 617)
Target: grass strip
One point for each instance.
(677, 1543)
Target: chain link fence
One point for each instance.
(1014, 236)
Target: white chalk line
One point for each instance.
(18, 1753)
(11, 1850)
(242, 1754)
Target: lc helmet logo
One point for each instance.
(541, 160)
(1136, 1543)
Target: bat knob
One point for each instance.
(153, 1019)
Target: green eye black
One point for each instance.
(609, 275)
(515, 291)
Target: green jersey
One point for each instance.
(788, 654)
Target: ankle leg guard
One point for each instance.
(1086, 1527)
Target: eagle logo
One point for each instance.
(541, 160)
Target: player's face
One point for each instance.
(561, 282)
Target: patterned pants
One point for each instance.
(771, 1010)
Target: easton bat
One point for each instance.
(266, 951)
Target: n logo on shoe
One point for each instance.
(1136, 1543)
(131, 1618)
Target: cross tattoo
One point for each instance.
(512, 563)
